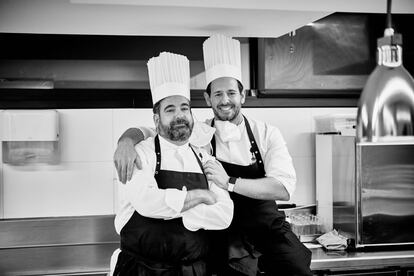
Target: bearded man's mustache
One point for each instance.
(173, 124)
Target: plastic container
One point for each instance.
(30, 136)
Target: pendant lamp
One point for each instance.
(386, 105)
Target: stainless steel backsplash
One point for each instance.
(57, 231)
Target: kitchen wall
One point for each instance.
(84, 183)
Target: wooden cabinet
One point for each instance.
(330, 58)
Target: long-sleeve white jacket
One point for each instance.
(143, 195)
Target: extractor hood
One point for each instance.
(237, 18)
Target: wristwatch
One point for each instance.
(231, 183)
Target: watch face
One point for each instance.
(230, 187)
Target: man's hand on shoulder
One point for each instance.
(125, 157)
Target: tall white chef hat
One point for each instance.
(169, 75)
(222, 58)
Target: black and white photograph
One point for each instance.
(206, 138)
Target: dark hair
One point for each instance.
(156, 108)
(208, 89)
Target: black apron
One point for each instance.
(164, 247)
(259, 225)
(249, 213)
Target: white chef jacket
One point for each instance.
(276, 158)
(143, 195)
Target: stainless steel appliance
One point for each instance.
(366, 190)
(370, 177)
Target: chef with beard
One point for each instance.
(253, 164)
(168, 207)
(255, 167)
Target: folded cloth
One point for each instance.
(202, 134)
(333, 241)
(228, 132)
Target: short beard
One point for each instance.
(174, 133)
(227, 118)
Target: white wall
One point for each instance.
(84, 181)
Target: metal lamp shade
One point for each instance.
(386, 106)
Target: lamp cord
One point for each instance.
(389, 14)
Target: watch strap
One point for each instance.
(231, 183)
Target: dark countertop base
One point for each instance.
(94, 259)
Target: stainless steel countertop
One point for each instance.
(341, 260)
(94, 258)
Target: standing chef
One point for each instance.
(258, 169)
(166, 205)
(255, 167)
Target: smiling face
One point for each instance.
(226, 99)
(174, 120)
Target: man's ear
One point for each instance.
(243, 96)
(156, 118)
(207, 98)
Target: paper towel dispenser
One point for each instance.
(30, 136)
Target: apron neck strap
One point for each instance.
(213, 141)
(253, 145)
(199, 162)
(158, 156)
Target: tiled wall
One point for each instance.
(297, 127)
(84, 181)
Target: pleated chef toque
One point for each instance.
(169, 75)
(222, 58)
